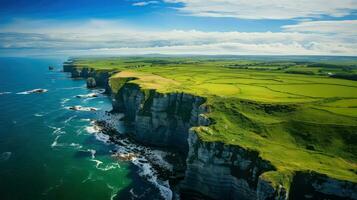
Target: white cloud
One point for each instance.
(266, 9)
(112, 37)
(224, 49)
(348, 27)
(144, 3)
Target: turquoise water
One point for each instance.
(48, 151)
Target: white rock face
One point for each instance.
(221, 171)
(160, 119)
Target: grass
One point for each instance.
(297, 121)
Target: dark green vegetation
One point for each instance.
(298, 115)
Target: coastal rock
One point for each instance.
(91, 83)
(265, 190)
(101, 78)
(125, 156)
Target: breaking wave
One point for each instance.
(3, 93)
(55, 142)
(81, 108)
(38, 115)
(143, 158)
(5, 156)
(34, 91)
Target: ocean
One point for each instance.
(48, 151)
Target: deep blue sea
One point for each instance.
(48, 151)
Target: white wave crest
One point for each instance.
(34, 91)
(126, 150)
(81, 108)
(72, 88)
(5, 156)
(110, 166)
(89, 177)
(55, 142)
(147, 171)
(69, 119)
(92, 151)
(3, 93)
(98, 162)
(57, 130)
(102, 137)
(64, 100)
(90, 95)
(92, 129)
(75, 145)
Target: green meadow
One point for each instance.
(301, 116)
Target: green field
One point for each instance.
(293, 113)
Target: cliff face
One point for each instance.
(159, 119)
(309, 185)
(222, 171)
(213, 170)
(94, 78)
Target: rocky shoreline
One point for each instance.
(163, 165)
(173, 159)
(212, 170)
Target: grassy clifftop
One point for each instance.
(293, 113)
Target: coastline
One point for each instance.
(229, 162)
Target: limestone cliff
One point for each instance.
(213, 170)
(222, 171)
(159, 119)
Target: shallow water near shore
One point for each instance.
(48, 151)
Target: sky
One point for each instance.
(204, 27)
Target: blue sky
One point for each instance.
(277, 27)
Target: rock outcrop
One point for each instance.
(91, 83)
(101, 78)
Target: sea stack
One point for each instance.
(91, 83)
